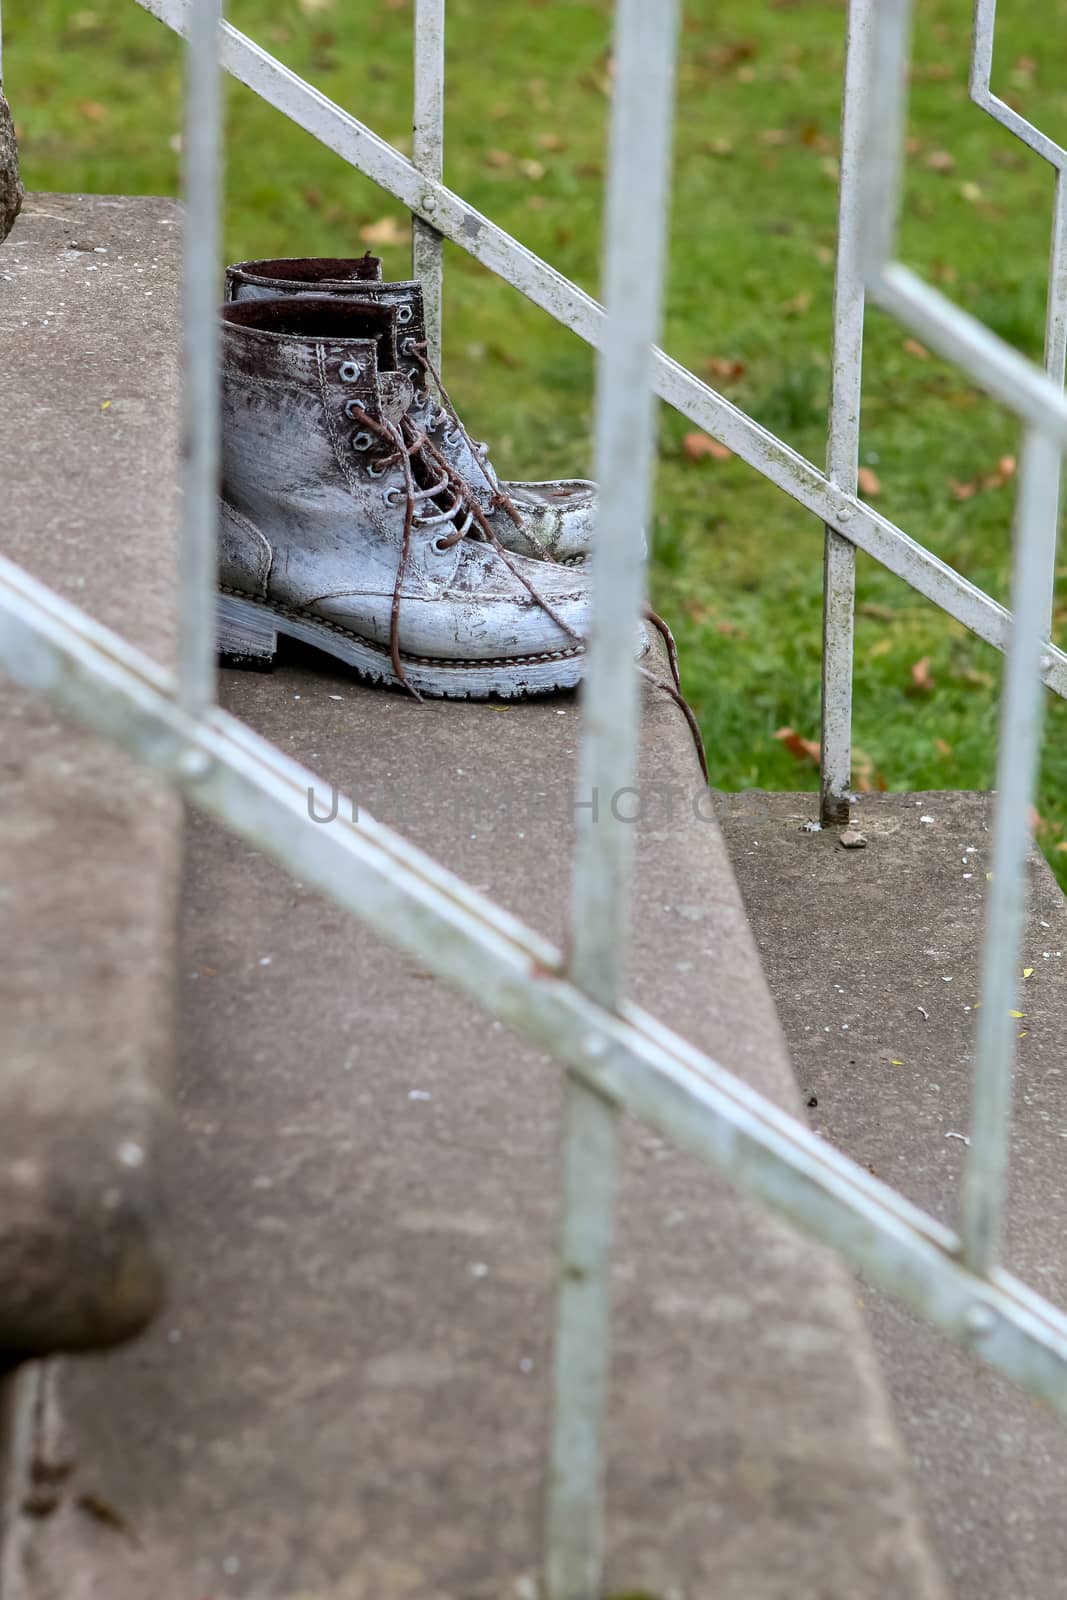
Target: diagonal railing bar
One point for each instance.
(1040, 403)
(247, 783)
(866, 528)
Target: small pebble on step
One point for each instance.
(852, 839)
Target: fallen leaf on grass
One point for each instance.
(551, 141)
(387, 231)
(798, 305)
(725, 368)
(534, 170)
(869, 482)
(312, 8)
(962, 491)
(499, 158)
(803, 749)
(93, 111)
(698, 445)
(922, 682)
(914, 348)
(943, 748)
(941, 161)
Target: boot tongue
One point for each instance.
(395, 395)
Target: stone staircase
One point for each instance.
(354, 1182)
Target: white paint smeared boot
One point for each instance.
(555, 519)
(344, 527)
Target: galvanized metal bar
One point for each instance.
(245, 782)
(985, 17)
(985, 12)
(202, 164)
(842, 463)
(581, 1364)
(866, 528)
(638, 195)
(1022, 712)
(427, 245)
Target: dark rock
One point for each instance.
(11, 190)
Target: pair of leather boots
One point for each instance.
(358, 515)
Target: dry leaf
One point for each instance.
(798, 305)
(943, 748)
(803, 749)
(971, 192)
(550, 141)
(386, 231)
(941, 161)
(921, 681)
(720, 147)
(534, 170)
(313, 8)
(698, 445)
(869, 482)
(881, 647)
(914, 348)
(1061, 849)
(774, 136)
(499, 158)
(962, 491)
(726, 369)
(93, 111)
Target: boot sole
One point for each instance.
(249, 630)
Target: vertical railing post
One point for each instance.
(1022, 711)
(1056, 352)
(427, 245)
(839, 555)
(202, 165)
(635, 234)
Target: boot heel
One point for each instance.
(247, 636)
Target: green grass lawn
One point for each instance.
(737, 568)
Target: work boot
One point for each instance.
(554, 520)
(342, 526)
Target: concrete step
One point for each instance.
(872, 957)
(89, 845)
(347, 1397)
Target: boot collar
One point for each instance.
(303, 273)
(354, 340)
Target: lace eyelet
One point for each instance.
(361, 440)
(374, 470)
(350, 371)
(404, 314)
(407, 347)
(393, 496)
(439, 545)
(351, 407)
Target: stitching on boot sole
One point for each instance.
(272, 608)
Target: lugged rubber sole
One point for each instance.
(249, 629)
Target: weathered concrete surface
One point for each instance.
(858, 945)
(347, 1398)
(11, 192)
(89, 845)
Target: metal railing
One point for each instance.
(618, 1057)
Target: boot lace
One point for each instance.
(410, 445)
